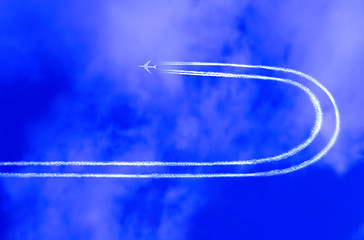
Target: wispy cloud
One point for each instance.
(109, 109)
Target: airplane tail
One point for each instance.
(155, 67)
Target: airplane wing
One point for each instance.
(147, 63)
(148, 70)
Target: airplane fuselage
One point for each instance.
(146, 66)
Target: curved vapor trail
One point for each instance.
(315, 130)
(293, 151)
(287, 154)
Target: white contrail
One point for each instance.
(291, 152)
(152, 175)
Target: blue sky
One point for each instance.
(70, 90)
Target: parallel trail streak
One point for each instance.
(285, 155)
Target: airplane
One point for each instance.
(146, 66)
